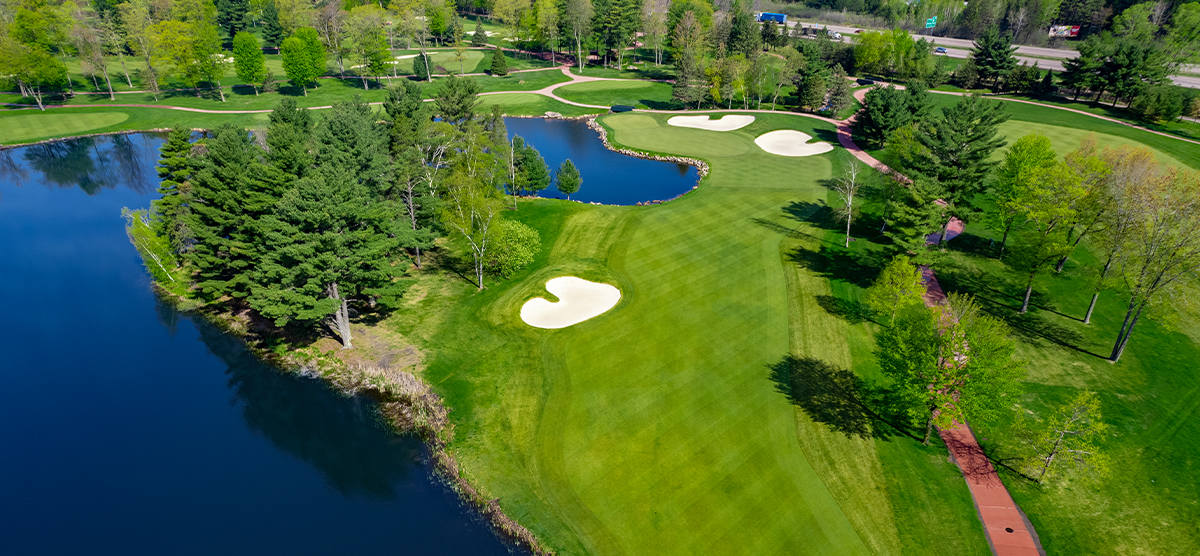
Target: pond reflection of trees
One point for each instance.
(341, 437)
(91, 163)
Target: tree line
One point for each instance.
(312, 219)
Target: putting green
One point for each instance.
(1065, 139)
(446, 59)
(22, 128)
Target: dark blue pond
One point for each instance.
(128, 428)
(608, 177)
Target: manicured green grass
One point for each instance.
(640, 94)
(1065, 139)
(644, 71)
(1183, 128)
(22, 128)
(1183, 151)
(655, 428)
(529, 104)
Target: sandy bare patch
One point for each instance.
(726, 123)
(578, 300)
(787, 142)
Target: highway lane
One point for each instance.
(959, 48)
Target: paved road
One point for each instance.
(958, 48)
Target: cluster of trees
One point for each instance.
(952, 363)
(722, 61)
(1139, 215)
(312, 217)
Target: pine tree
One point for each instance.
(248, 59)
(272, 31)
(479, 38)
(841, 95)
(232, 15)
(421, 67)
(533, 167)
(351, 139)
(499, 62)
(958, 146)
(175, 167)
(567, 178)
(221, 199)
(993, 55)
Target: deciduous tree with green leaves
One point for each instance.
(898, 287)
(1065, 444)
(248, 60)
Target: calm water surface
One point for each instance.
(127, 428)
(608, 177)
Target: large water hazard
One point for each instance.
(128, 428)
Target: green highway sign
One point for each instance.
(931, 22)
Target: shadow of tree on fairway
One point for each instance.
(850, 310)
(839, 399)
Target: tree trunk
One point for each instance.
(1120, 347)
(1116, 351)
(479, 270)
(305, 90)
(108, 82)
(255, 87)
(341, 317)
(1028, 293)
(1004, 239)
(847, 232)
(1087, 319)
(945, 230)
(364, 80)
(125, 70)
(220, 91)
(929, 426)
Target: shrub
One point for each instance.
(1158, 103)
(499, 63)
(515, 246)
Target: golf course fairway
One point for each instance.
(657, 429)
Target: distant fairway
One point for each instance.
(446, 59)
(1065, 139)
(26, 127)
(642, 94)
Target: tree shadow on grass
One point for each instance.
(850, 310)
(839, 399)
(992, 292)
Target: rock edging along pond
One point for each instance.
(700, 165)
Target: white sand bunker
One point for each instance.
(727, 123)
(578, 300)
(406, 56)
(787, 142)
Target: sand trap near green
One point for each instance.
(788, 142)
(726, 123)
(578, 300)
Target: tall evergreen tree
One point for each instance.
(957, 148)
(272, 31)
(567, 178)
(350, 138)
(993, 55)
(221, 203)
(421, 68)
(499, 63)
(175, 167)
(479, 37)
(232, 15)
(457, 99)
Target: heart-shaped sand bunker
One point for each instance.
(788, 142)
(725, 123)
(578, 300)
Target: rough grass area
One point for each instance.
(656, 428)
(640, 94)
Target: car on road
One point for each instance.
(939, 50)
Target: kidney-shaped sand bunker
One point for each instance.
(726, 123)
(578, 300)
(788, 142)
